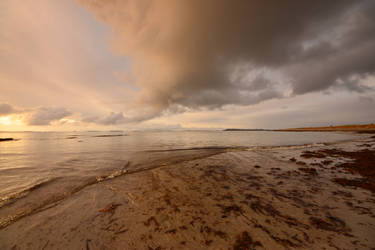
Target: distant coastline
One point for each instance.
(365, 128)
(246, 129)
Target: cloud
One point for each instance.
(6, 109)
(207, 54)
(47, 62)
(111, 119)
(46, 115)
(35, 116)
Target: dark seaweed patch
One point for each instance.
(244, 242)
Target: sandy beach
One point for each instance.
(318, 197)
(193, 124)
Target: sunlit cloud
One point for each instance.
(11, 120)
(6, 120)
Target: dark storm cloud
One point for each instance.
(212, 53)
(346, 62)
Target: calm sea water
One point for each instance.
(37, 157)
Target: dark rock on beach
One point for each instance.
(6, 139)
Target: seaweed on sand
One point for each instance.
(244, 242)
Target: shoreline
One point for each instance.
(236, 199)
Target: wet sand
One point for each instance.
(279, 198)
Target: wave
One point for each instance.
(35, 203)
(39, 203)
(110, 135)
(114, 174)
(7, 199)
(197, 148)
(296, 146)
(300, 146)
(4, 200)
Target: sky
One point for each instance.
(147, 64)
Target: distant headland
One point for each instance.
(246, 129)
(363, 128)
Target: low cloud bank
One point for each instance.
(44, 115)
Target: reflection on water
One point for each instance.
(37, 157)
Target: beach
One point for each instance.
(212, 198)
(197, 124)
